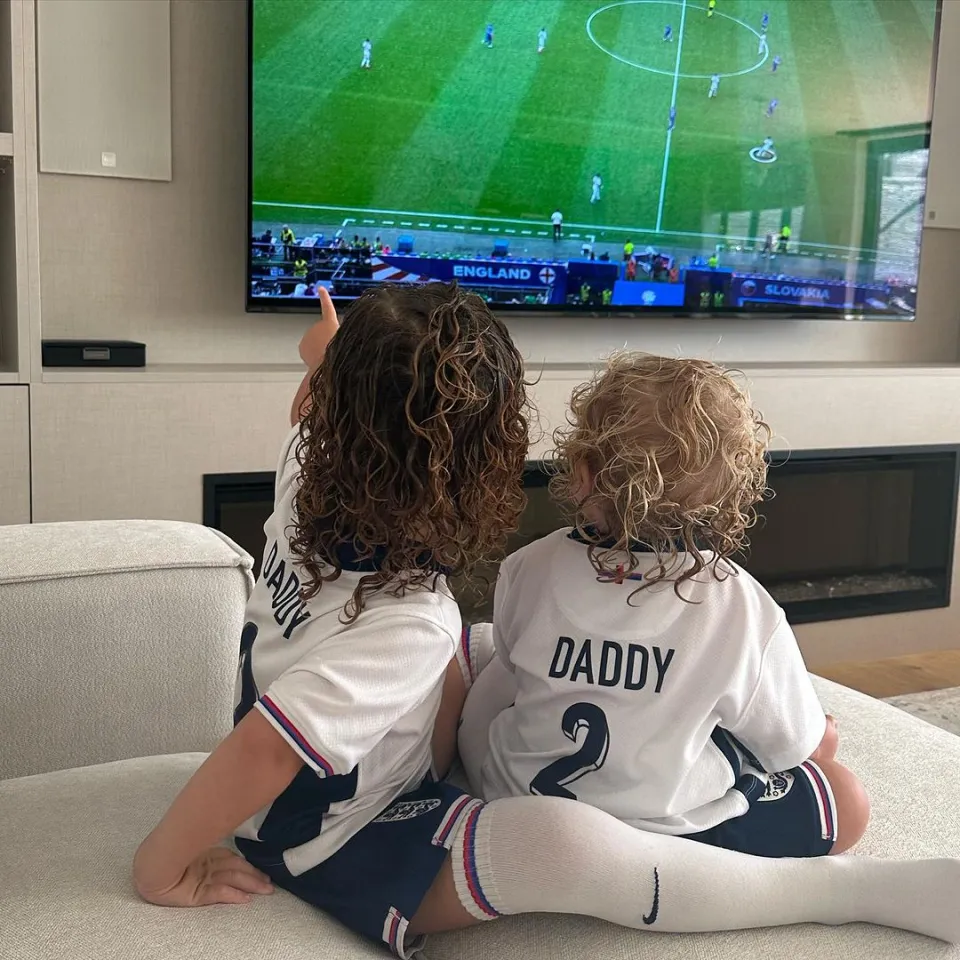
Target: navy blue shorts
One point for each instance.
(791, 814)
(376, 881)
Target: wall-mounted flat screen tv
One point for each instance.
(700, 157)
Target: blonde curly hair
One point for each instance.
(666, 453)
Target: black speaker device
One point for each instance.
(93, 353)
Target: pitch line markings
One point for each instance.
(525, 223)
(671, 73)
(673, 107)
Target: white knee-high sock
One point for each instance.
(494, 690)
(551, 855)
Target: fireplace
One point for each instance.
(848, 533)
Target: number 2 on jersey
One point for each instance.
(551, 780)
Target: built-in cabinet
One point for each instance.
(14, 454)
(19, 260)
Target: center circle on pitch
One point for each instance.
(653, 36)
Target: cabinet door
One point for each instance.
(14, 455)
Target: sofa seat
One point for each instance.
(67, 839)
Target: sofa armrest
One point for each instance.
(117, 639)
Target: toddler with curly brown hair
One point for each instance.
(652, 676)
(403, 465)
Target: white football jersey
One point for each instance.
(356, 701)
(646, 707)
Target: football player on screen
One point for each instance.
(596, 185)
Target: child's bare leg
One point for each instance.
(547, 854)
(853, 805)
(441, 910)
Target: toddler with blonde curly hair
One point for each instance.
(649, 674)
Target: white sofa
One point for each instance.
(118, 643)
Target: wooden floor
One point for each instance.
(899, 675)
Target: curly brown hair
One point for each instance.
(668, 453)
(413, 448)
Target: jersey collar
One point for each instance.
(609, 543)
(590, 537)
(354, 558)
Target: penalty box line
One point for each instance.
(588, 228)
(420, 220)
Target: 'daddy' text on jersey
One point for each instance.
(288, 609)
(607, 663)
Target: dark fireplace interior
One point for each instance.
(847, 533)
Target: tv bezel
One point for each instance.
(300, 305)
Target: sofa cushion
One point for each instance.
(67, 842)
(68, 838)
(133, 620)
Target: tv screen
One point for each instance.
(684, 156)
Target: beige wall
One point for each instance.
(131, 450)
(141, 450)
(110, 450)
(164, 263)
(14, 455)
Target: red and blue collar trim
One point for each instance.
(592, 537)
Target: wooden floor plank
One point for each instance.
(899, 675)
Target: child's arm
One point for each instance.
(312, 348)
(782, 723)
(248, 770)
(341, 699)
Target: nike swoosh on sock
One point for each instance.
(651, 918)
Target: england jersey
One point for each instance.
(645, 706)
(355, 700)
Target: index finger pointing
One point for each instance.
(327, 310)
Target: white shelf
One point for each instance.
(292, 372)
(179, 373)
(6, 144)
(882, 368)
(8, 377)
(766, 368)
